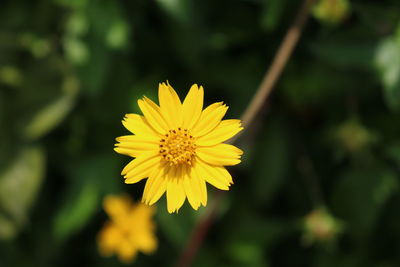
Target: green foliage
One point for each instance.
(272, 165)
(91, 181)
(328, 136)
(388, 63)
(19, 186)
(361, 214)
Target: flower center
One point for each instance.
(178, 147)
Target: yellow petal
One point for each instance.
(135, 145)
(175, 196)
(117, 206)
(174, 173)
(201, 183)
(155, 186)
(108, 239)
(221, 154)
(170, 105)
(212, 174)
(191, 187)
(140, 167)
(153, 115)
(146, 242)
(223, 172)
(192, 106)
(225, 130)
(209, 119)
(137, 124)
(126, 251)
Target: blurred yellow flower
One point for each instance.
(178, 147)
(130, 229)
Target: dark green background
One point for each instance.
(328, 138)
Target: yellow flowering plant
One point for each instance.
(179, 147)
(129, 230)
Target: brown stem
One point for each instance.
(278, 64)
(271, 76)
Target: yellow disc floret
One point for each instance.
(178, 146)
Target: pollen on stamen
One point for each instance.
(178, 147)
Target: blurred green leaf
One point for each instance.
(77, 210)
(10, 75)
(246, 253)
(316, 86)
(392, 151)
(178, 9)
(388, 64)
(270, 162)
(272, 13)
(176, 227)
(38, 46)
(19, 185)
(77, 25)
(359, 197)
(8, 228)
(92, 179)
(72, 3)
(117, 36)
(51, 115)
(76, 51)
(348, 54)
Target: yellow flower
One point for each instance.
(178, 147)
(130, 229)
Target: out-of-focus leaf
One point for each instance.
(176, 227)
(392, 151)
(8, 228)
(178, 9)
(10, 75)
(376, 16)
(77, 24)
(246, 253)
(359, 196)
(94, 73)
(345, 54)
(338, 259)
(388, 64)
(77, 210)
(270, 162)
(51, 115)
(317, 86)
(117, 36)
(92, 179)
(19, 185)
(76, 51)
(72, 3)
(255, 231)
(272, 14)
(39, 47)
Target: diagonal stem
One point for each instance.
(275, 70)
(270, 78)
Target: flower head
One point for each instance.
(129, 230)
(321, 226)
(178, 147)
